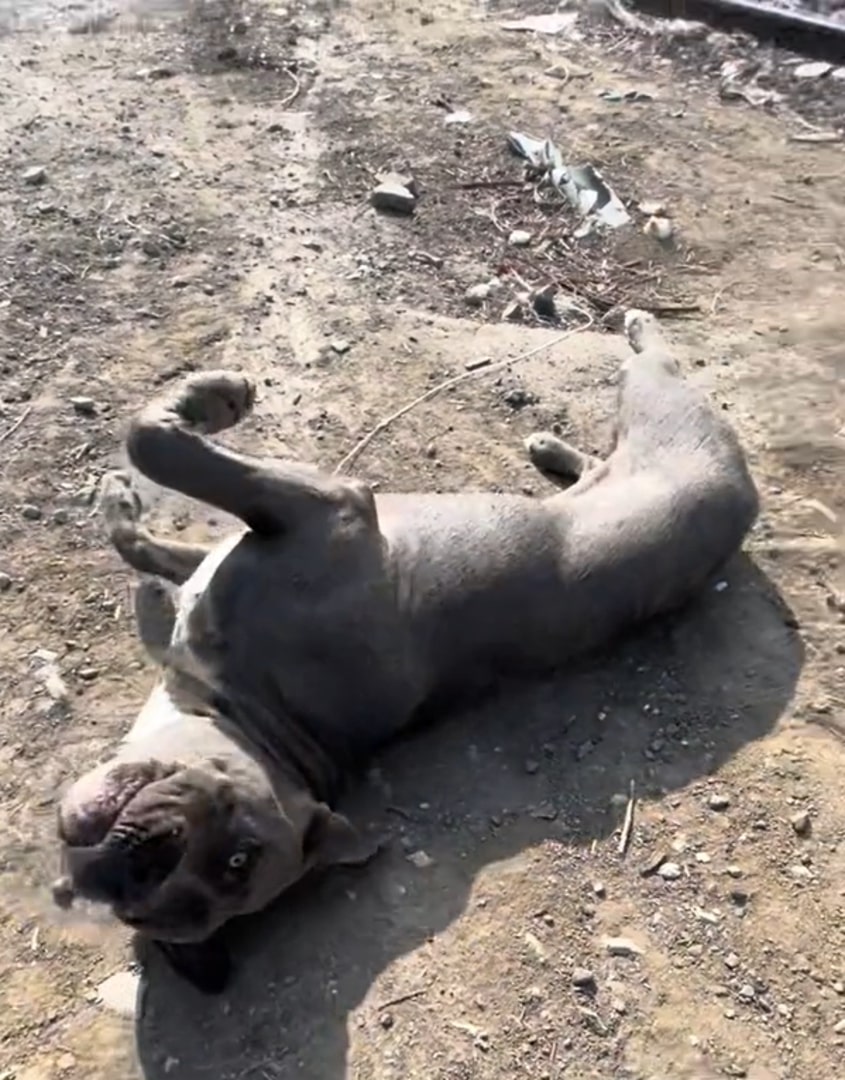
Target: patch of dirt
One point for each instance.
(204, 202)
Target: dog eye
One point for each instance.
(238, 861)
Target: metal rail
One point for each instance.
(800, 32)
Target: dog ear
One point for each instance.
(332, 840)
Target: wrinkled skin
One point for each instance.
(294, 649)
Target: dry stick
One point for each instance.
(628, 823)
(11, 431)
(382, 425)
(401, 999)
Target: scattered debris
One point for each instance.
(628, 823)
(581, 185)
(120, 993)
(733, 88)
(681, 29)
(459, 116)
(47, 670)
(618, 96)
(554, 23)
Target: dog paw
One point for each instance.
(118, 501)
(549, 454)
(215, 400)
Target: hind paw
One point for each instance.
(215, 400)
(549, 454)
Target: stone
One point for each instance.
(85, 406)
(620, 946)
(477, 294)
(583, 979)
(839, 1028)
(669, 871)
(732, 961)
(394, 197)
(719, 801)
(801, 823)
(341, 346)
(31, 512)
(5, 582)
(421, 859)
(34, 176)
(520, 238)
(119, 993)
(532, 766)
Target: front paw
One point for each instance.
(118, 501)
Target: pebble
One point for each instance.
(421, 859)
(839, 1029)
(583, 979)
(386, 1020)
(391, 195)
(5, 583)
(85, 406)
(120, 993)
(477, 294)
(732, 961)
(61, 516)
(35, 175)
(719, 801)
(746, 992)
(31, 512)
(801, 823)
(620, 946)
(532, 767)
(520, 238)
(88, 674)
(669, 871)
(341, 346)
(815, 69)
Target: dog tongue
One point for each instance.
(95, 802)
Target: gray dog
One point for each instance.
(292, 650)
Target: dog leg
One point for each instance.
(556, 459)
(121, 508)
(167, 442)
(155, 616)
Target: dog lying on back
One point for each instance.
(292, 650)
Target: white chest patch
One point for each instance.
(196, 585)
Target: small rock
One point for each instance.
(660, 228)
(732, 961)
(719, 801)
(801, 823)
(520, 238)
(518, 398)
(88, 674)
(839, 1029)
(477, 294)
(65, 1062)
(393, 197)
(733, 871)
(747, 992)
(341, 346)
(34, 176)
(619, 1006)
(85, 406)
(31, 512)
(60, 516)
(120, 993)
(839, 988)
(386, 1020)
(815, 69)
(669, 871)
(599, 889)
(5, 582)
(532, 767)
(620, 946)
(583, 979)
(421, 859)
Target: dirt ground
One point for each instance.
(203, 202)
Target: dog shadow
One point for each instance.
(554, 761)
